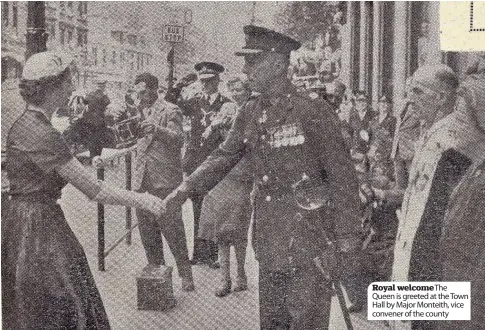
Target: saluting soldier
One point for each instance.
(201, 109)
(288, 140)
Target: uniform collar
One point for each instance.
(211, 98)
(279, 98)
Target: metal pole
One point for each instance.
(36, 38)
(128, 157)
(101, 241)
(171, 66)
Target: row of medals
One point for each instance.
(284, 135)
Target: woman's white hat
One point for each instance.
(46, 64)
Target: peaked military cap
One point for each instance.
(385, 99)
(207, 70)
(260, 39)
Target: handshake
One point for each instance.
(169, 205)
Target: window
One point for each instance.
(80, 38)
(62, 34)
(95, 55)
(132, 39)
(15, 15)
(82, 8)
(69, 37)
(5, 13)
(104, 57)
(4, 66)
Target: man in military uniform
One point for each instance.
(201, 110)
(288, 140)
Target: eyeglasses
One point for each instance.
(419, 89)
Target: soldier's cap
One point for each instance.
(361, 96)
(150, 80)
(46, 65)
(384, 99)
(208, 70)
(100, 81)
(260, 40)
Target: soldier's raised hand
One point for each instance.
(146, 127)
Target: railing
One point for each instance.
(101, 163)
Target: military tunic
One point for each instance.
(286, 141)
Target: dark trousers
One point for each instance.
(172, 227)
(356, 287)
(204, 250)
(294, 300)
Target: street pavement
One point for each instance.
(198, 310)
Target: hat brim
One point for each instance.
(204, 76)
(248, 51)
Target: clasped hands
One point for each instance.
(169, 205)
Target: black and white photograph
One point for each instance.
(243, 165)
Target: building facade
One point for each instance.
(384, 42)
(14, 29)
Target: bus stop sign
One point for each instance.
(173, 33)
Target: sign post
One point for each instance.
(173, 34)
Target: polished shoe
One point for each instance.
(150, 268)
(213, 264)
(224, 290)
(198, 262)
(241, 284)
(188, 283)
(355, 308)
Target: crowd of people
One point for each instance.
(411, 163)
(335, 190)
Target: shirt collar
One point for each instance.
(211, 97)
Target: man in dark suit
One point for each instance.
(94, 119)
(201, 109)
